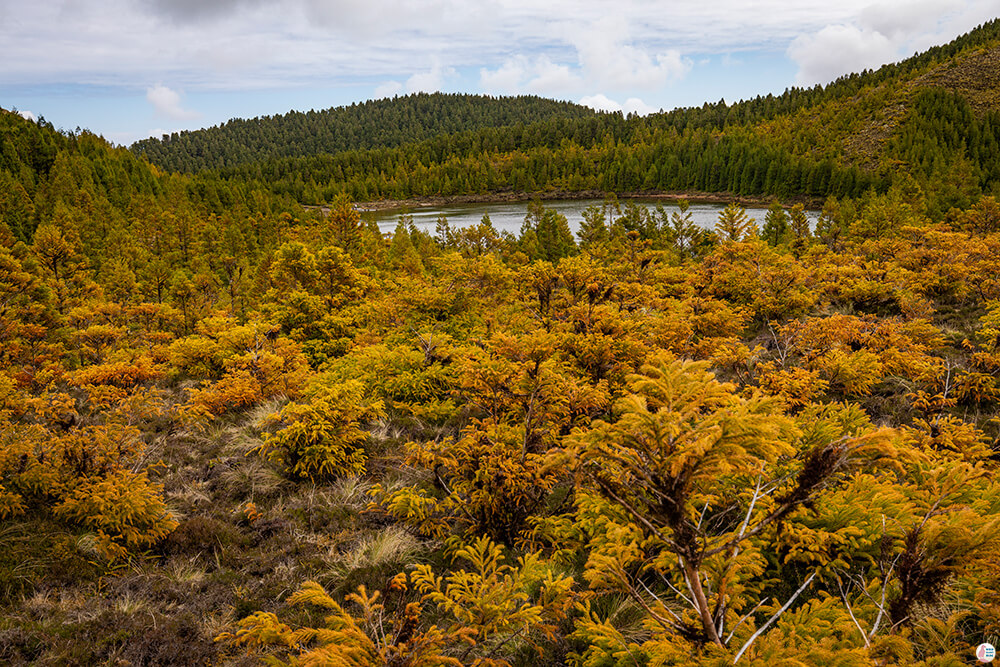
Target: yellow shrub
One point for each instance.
(125, 509)
(323, 438)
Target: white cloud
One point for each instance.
(520, 74)
(183, 11)
(602, 102)
(431, 81)
(28, 115)
(607, 57)
(567, 46)
(900, 19)
(839, 49)
(508, 78)
(882, 32)
(388, 89)
(168, 103)
(610, 59)
(635, 105)
(372, 19)
(549, 77)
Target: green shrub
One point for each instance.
(323, 438)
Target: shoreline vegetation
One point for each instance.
(692, 197)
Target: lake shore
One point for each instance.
(693, 197)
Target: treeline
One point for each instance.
(616, 155)
(41, 170)
(953, 155)
(940, 143)
(375, 123)
(839, 141)
(415, 118)
(863, 132)
(79, 180)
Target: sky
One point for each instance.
(130, 69)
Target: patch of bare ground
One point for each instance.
(975, 76)
(248, 536)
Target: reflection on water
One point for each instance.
(508, 216)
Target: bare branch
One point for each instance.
(657, 598)
(665, 622)
(720, 615)
(881, 606)
(680, 564)
(676, 590)
(720, 605)
(744, 618)
(701, 517)
(753, 502)
(773, 618)
(850, 611)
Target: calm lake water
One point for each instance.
(508, 216)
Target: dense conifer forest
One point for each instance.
(372, 124)
(932, 117)
(236, 429)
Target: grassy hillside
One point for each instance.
(856, 118)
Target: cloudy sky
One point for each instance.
(128, 69)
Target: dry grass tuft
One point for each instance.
(258, 415)
(251, 478)
(185, 571)
(192, 493)
(391, 546)
(130, 604)
(217, 622)
(351, 492)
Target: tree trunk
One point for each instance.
(700, 601)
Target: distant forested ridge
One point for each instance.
(930, 120)
(371, 124)
(610, 153)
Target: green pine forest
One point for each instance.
(239, 425)
(372, 124)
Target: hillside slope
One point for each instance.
(215, 409)
(929, 119)
(371, 124)
(855, 119)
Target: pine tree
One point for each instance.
(775, 230)
(734, 224)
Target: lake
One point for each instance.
(508, 216)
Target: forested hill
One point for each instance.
(930, 121)
(372, 124)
